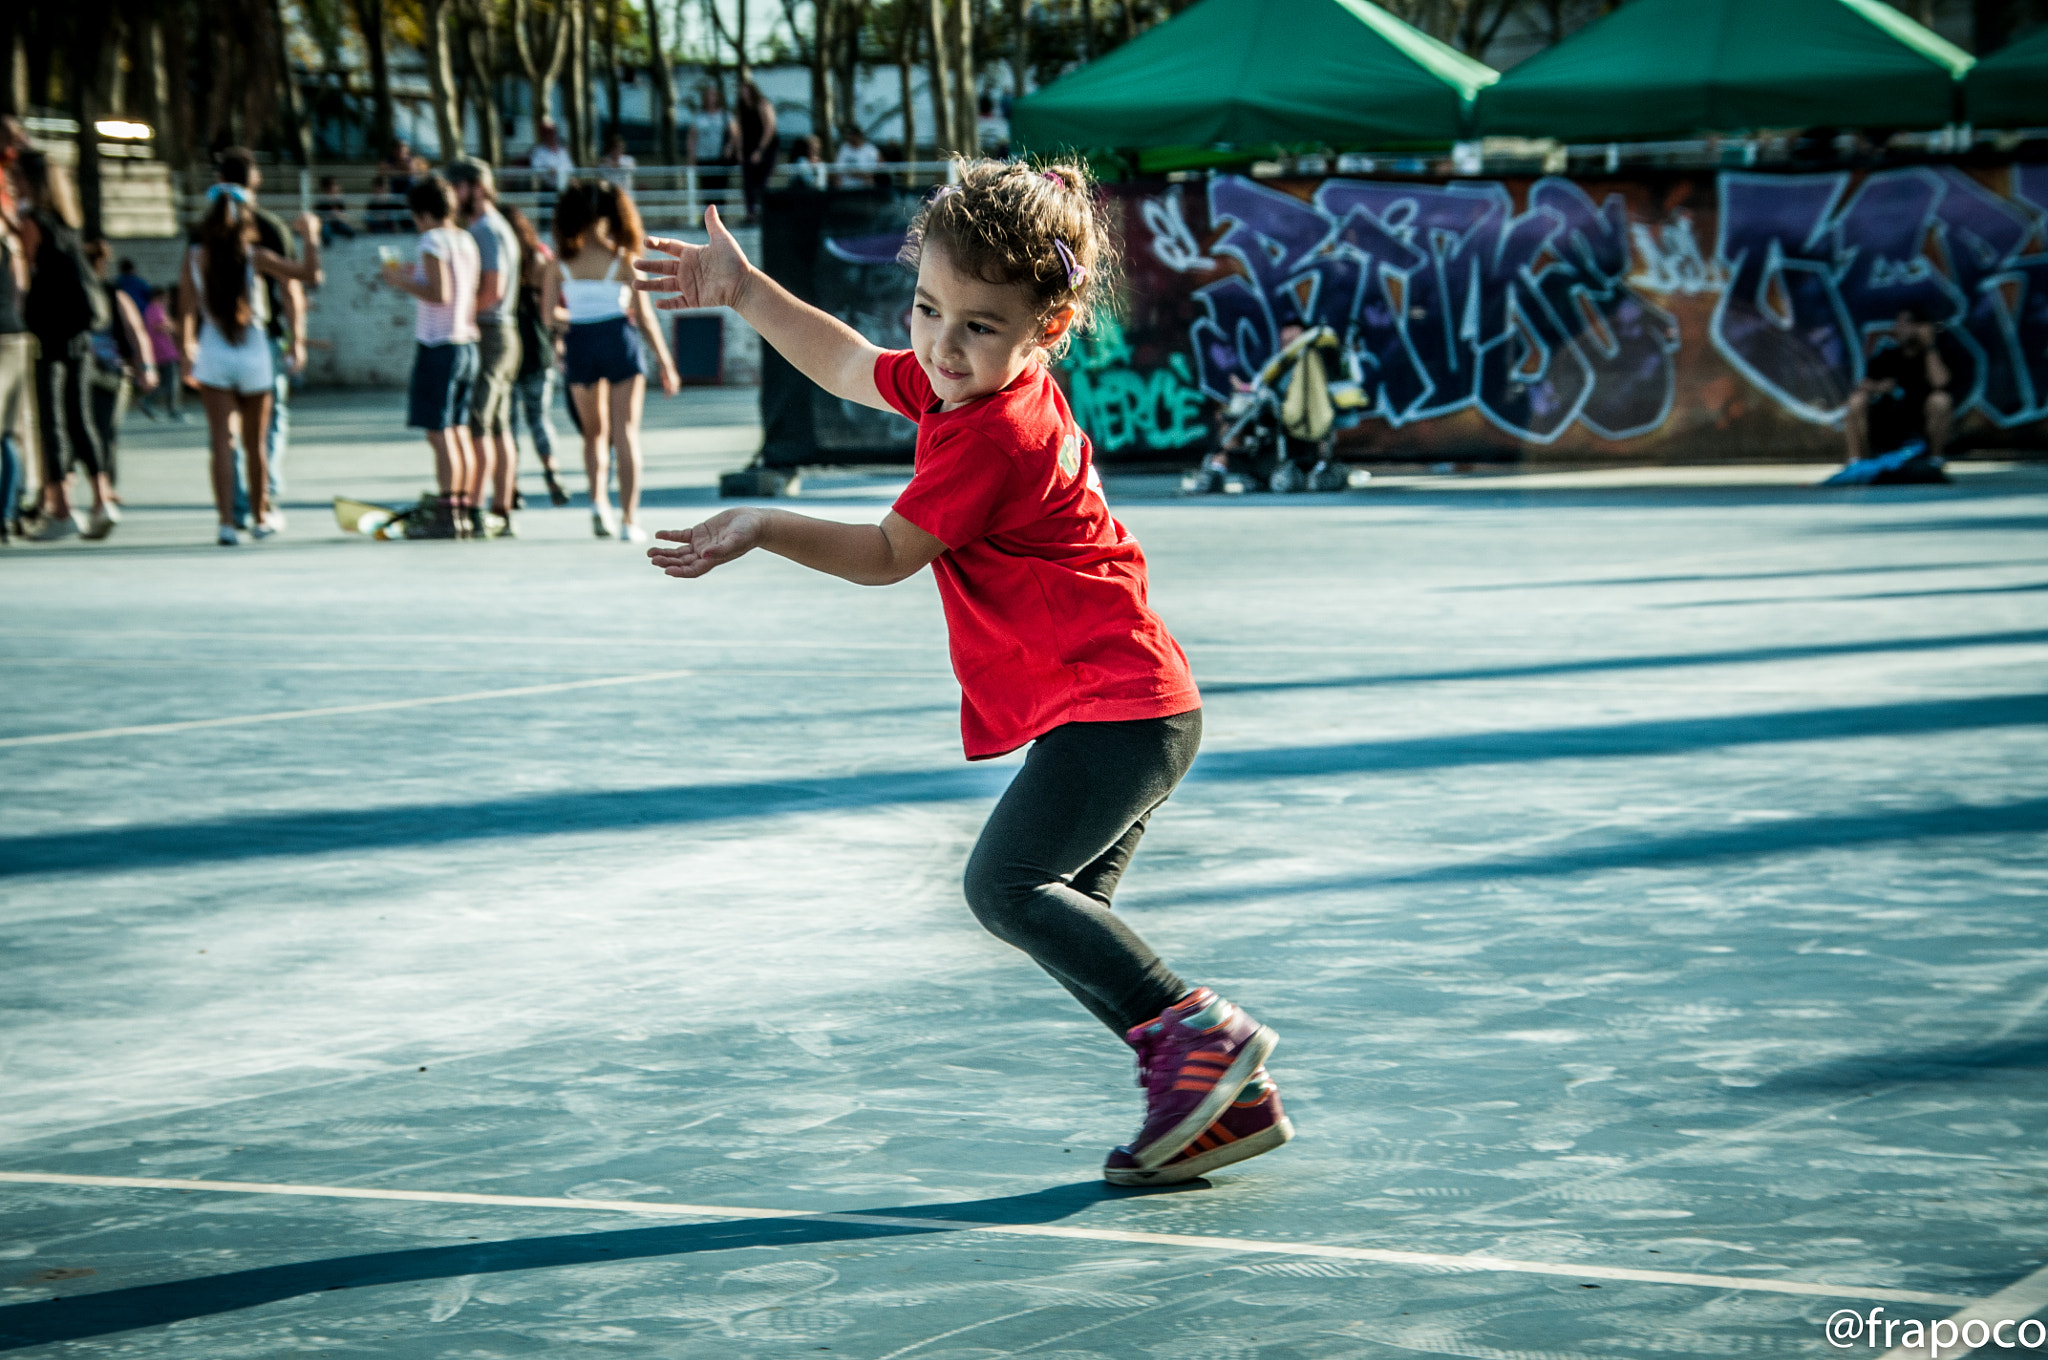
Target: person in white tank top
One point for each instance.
(227, 355)
(611, 342)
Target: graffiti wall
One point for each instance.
(1685, 317)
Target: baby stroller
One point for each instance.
(1292, 401)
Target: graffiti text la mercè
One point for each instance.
(1556, 315)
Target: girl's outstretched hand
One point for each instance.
(726, 535)
(713, 275)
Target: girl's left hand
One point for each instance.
(718, 540)
(671, 381)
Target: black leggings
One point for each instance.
(1042, 874)
(64, 412)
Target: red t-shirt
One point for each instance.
(1044, 591)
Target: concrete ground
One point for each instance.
(500, 950)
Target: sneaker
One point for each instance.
(104, 517)
(601, 522)
(262, 529)
(227, 537)
(1192, 1061)
(556, 494)
(478, 528)
(274, 517)
(1252, 1124)
(632, 533)
(518, 499)
(50, 528)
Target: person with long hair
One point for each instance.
(223, 310)
(589, 296)
(533, 392)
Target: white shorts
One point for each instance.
(243, 368)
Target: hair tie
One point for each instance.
(226, 190)
(1055, 177)
(1075, 273)
(944, 190)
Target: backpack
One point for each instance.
(66, 297)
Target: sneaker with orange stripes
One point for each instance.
(1251, 1124)
(1192, 1061)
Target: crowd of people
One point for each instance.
(499, 313)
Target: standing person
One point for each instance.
(497, 322)
(807, 168)
(589, 291)
(284, 329)
(533, 394)
(222, 305)
(618, 161)
(860, 154)
(17, 362)
(133, 284)
(444, 366)
(549, 160)
(713, 134)
(163, 353)
(66, 303)
(1052, 638)
(756, 122)
(122, 358)
(332, 205)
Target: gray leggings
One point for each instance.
(1042, 874)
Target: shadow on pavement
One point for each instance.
(325, 831)
(79, 1316)
(1742, 657)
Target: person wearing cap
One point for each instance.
(497, 319)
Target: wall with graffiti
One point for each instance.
(1685, 316)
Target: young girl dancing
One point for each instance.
(1045, 598)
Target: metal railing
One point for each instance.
(668, 196)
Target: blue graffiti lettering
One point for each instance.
(1449, 299)
(1812, 278)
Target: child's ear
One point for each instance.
(1057, 325)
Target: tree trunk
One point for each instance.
(906, 61)
(13, 72)
(1087, 31)
(441, 81)
(481, 30)
(370, 19)
(298, 128)
(1991, 25)
(664, 88)
(824, 115)
(611, 68)
(848, 62)
(1020, 55)
(174, 84)
(86, 107)
(966, 125)
(542, 73)
(943, 125)
(578, 72)
(586, 142)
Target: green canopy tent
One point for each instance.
(1677, 68)
(2009, 88)
(1253, 72)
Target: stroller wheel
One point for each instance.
(1286, 477)
(1328, 476)
(1202, 481)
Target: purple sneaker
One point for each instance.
(1251, 1124)
(1192, 1062)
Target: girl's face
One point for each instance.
(973, 337)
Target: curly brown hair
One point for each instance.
(1006, 222)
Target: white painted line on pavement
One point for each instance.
(336, 710)
(1062, 1232)
(2016, 1302)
